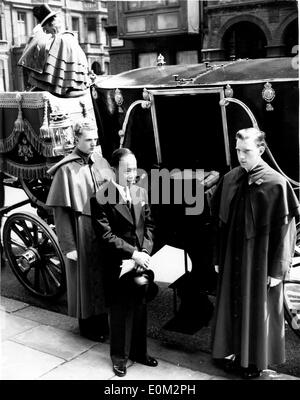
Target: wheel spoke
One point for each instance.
(45, 279)
(23, 225)
(43, 241)
(56, 281)
(18, 244)
(55, 265)
(20, 234)
(35, 234)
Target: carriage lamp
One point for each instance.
(268, 94)
(228, 91)
(61, 133)
(119, 100)
(147, 101)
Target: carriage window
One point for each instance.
(191, 128)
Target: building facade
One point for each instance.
(87, 19)
(250, 29)
(192, 31)
(140, 30)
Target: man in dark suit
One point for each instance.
(123, 224)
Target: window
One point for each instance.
(187, 57)
(135, 5)
(2, 76)
(75, 26)
(136, 24)
(91, 28)
(104, 33)
(21, 16)
(21, 28)
(167, 21)
(147, 59)
(96, 68)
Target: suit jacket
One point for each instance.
(118, 232)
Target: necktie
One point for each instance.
(129, 203)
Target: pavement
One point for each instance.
(38, 344)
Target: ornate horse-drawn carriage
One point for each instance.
(181, 119)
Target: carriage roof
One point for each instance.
(239, 71)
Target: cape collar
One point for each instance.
(85, 157)
(257, 173)
(75, 155)
(69, 158)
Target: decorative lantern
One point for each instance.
(268, 94)
(146, 96)
(119, 100)
(94, 93)
(61, 133)
(228, 91)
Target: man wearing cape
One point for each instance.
(75, 180)
(255, 208)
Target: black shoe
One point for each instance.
(251, 372)
(149, 361)
(119, 369)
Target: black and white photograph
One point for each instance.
(149, 193)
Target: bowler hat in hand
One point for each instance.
(143, 282)
(42, 13)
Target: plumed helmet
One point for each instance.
(43, 12)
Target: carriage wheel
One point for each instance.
(33, 253)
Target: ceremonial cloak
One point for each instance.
(61, 68)
(75, 181)
(257, 235)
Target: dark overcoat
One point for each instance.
(266, 234)
(73, 185)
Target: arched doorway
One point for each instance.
(97, 68)
(244, 40)
(290, 38)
